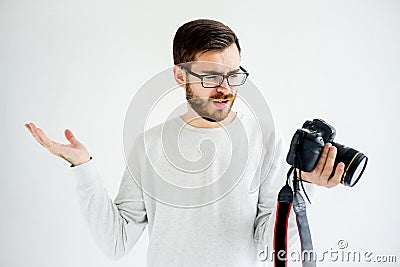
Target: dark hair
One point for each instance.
(199, 36)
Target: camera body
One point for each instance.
(307, 143)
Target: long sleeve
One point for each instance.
(115, 225)
(267, 203)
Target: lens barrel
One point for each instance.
(355, 163)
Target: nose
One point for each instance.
(224, 87)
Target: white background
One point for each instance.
(77, 64)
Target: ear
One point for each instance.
(179, 76)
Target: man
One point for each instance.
(224, 225)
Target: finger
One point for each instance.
(33, 130)
(330, 161)
(54, 147)
(28, 126)
(337, 177)
(70, 136)
(322, 160)
(44, 140)
(47, 142)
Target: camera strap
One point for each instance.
(299, 207)
(286, 199)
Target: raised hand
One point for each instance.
(74, 152)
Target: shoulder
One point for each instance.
(154, 135)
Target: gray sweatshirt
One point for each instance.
(208, 195)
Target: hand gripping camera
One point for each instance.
(306, 146)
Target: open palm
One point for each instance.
(74, 152)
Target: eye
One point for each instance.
(212, 80)
(212, 77)
(237, 79)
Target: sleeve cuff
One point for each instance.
(72, 165)
(86, 174)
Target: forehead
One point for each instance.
(218, 60)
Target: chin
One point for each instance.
(216, 116)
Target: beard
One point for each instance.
(204, 107)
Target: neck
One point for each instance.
(193, 119)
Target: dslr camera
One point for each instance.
(306, 146)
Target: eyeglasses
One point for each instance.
(215, 80)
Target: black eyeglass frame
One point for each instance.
(201, 77)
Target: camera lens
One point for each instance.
(355, 163)
(359, 168)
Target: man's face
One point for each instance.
(213, 104)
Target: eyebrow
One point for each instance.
(215, 72)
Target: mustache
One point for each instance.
(221, 96)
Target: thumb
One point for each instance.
(70, 136)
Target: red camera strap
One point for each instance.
(285, 202)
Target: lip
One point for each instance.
(221, 105)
